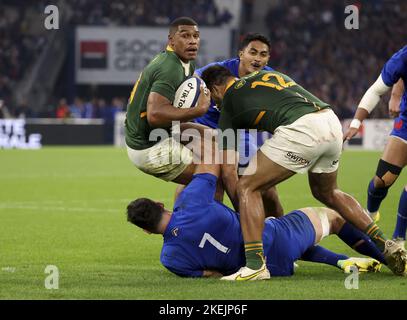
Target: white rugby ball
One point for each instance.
(187, 93)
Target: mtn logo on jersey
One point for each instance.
(297, 159)
(240, 84)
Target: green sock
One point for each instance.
(377, 236)
(254, 254)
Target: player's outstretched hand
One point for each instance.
(204, 100)
(350, 134)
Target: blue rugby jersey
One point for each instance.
(394, 69)
(203, 234)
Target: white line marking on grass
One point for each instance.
(59, 174)
(65, 201)
(36, 205)
(28, 202)
(46, 208)
(289, 196)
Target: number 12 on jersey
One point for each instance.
(214, 242)
(267, 82)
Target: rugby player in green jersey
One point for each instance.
(307, 137)
(150, 107)
(254, 54)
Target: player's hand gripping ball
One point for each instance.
(188, 92)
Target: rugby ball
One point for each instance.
(187, 93)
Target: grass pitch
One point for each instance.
(66, 207)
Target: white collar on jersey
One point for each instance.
(186, 67)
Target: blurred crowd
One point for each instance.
(19, 45)
(96, 108)
(147, 12)
(309, 42)
(334, 63)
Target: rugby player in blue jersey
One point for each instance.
(394, 158)
(202, 237)
(254, 54)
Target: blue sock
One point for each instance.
(375, 196)
(401, 225)
(322, 255)
(360, 242)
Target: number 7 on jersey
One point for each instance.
(214, 242)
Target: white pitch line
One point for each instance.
(45, 208)
(28, 202)
(33, 205)
(113, 200)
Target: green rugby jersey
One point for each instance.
(265, 100)
(163, 75)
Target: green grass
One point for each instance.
(66, 207)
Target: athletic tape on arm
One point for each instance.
(373, 94)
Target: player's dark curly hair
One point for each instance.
(145, 214)
(215, 75)
(249, 37)
(181, 21)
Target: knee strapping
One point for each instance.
(387, 172)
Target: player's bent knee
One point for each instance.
(315, 192)
(241, 186)
(245, 184)
(327, 198)
(318, 194)
(335, 219)
(325, 220)
(387, 173)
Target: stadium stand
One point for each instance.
(336, 64)
(146, 12)
(314, 48)
(20, 44)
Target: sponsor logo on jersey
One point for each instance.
(174, 232)
(240, 84)
(398, 124)
(296, 158)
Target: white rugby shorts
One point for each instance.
(165, 160)
(311, 143)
